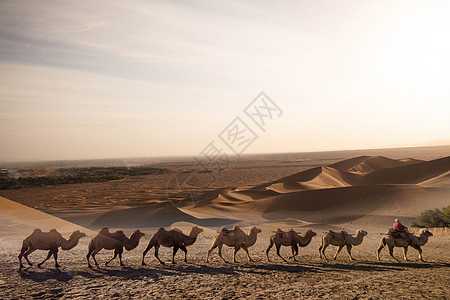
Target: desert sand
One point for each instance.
(321, 191)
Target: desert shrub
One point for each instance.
(432, 218)
(447, 215)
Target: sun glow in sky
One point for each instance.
(107, 79)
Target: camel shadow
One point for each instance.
(42, 274)
(378, 266)
(263, 268)
(415, 265)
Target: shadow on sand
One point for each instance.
(261, 268)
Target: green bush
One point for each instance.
(447, 215)
(433, 218)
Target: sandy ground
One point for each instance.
(310, 277)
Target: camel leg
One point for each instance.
(55, 256)
(149, 246)
(278, 252)
(120, 257)
(28, 252)
(22, 251)
(115, 255)
(418, 248)
(220, 253)
(324, 246)
(268, 249)
(236, 249)
(94, 253)
(157, 254)
(338, 250)
(248, 255)
(183, 248)
(88, 255)
(380, 247)
(294, 249)
(209, 252)
(349, 250)
(405, 252)
(391, 252)
(50, 252)
(175, 250)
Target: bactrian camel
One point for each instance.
(50, 241)
(290, 238)
(234, 238)
(341, 239)
(112, 241)
(172, 238)
(392, 242)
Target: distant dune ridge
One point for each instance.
(365, 188)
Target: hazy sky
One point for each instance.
(105, 79)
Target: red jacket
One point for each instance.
(398, 226)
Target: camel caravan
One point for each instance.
(236, 238)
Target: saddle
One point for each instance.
(339, 234)
(289, 235)
(397, 234)
(394, 233)
(229, 233)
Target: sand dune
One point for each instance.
(16, 218)
(152, 215)
(357, 188)
(365, 164)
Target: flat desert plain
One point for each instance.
(347, 190)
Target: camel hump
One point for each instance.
(104, 230)
(53, 230)
(279, 230)
(236, 227)
(37, 230)
(177, 230)
(223, 229)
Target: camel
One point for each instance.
(50, 241)
(234, 238)
(392, 242)
(112, 241)
(290, 238)
(172, 238)
(341, 239)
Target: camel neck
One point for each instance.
(70, 243)
(304, 241)
(250, 239)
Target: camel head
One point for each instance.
(195, 231)
(361, 232)
(255, 230)
(310, 233)
(137, 235)
(426, 232)
(77, 235)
